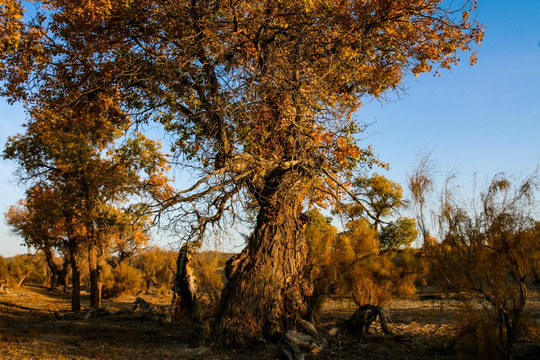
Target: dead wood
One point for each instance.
(141, 305)
(19, 283)
(3, 288)
(290, 349)
(184, 301)
(306, 327)
(305, 337)
(361, 320)
(295, 342)
(96, 312)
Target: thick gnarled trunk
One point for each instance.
(266, 291)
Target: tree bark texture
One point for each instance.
(95, 257)
(184, 302)
(75, 277)
(265, 292)
(58, 272)
(63, 275)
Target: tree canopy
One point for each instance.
(259, 96)
(250, 88)
(93, 178)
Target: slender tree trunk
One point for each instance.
(75, 277)
(63, 274)
(266, 292)
(59, 273)
(184, 302)
(95, 256)
(512, 330)
(55, 271)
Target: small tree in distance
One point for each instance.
(36, 220)
(486, 251)
(94, 178)
(369, 265)
(398, 234)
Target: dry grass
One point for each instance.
(28, 330)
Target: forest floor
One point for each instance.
(30, 330)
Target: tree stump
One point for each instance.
(184, 302)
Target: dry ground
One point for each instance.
(29, 330)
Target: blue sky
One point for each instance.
(479, 119)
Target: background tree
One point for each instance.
(157, 266)
(353, 264)
(398, 234)
(535, 234)
(381, 199)
(93, 173)
(486, 251)
(28, 268)
(147, 269)
(209, 269)
(50, 213)
(260, 97)
(323, 267)
(37, 221)
(421, 185)
(370, 275)
(381, 196)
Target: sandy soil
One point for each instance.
(30, 330)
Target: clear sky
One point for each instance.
(478, 120)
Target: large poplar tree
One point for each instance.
(259, 96)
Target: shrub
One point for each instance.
(478, 337)
(209, 272)
(156, 266)
(127, 280)
(24, 269)
(488, 248)
(351, 263)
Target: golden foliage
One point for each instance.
(350, 263)
(210, 275)
(488, 251)
(256, 86)
(29, 269)
(126, 280)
